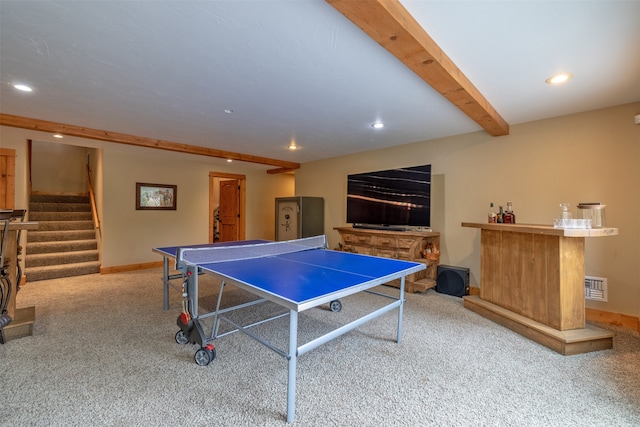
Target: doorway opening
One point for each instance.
(227, 194)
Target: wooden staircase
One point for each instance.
(65, 243)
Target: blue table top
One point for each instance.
(316, 273)
(306, 278)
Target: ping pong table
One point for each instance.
(296, 275)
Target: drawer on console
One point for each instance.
(404, 254)
(364, 250)
(387, 253)
(346, 238)
(385, 241)
(360, 239)
(405, 243)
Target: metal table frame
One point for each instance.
(294, 348)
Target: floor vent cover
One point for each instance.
(595, 288)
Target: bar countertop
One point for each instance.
(545, 229)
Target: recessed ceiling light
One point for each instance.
(293, 146)
(228, 110)
(377, 125)
(57, 135)
(22, 87)
(229, 160)
(558, 78)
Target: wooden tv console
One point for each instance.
(405, 245)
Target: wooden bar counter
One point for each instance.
(23, 318)
(532, 281)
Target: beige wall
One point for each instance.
(130, 234)
(58, 168)
(587, 157)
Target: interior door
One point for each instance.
(7, 178)
(229, 210)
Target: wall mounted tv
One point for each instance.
(393, 199)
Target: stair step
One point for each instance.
(58, 198)
(56, 236)
(59, 207)
(65, 243)
(61, 246)
(64, 225)
(58, 271)
(59, 258)
(60, 216)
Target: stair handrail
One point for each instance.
(94, 210)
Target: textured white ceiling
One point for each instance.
(299, 70)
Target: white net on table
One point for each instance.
(207, 255)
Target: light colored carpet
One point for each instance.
(103, 353)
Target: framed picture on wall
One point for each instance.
(156, 196)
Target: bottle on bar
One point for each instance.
(500, 218)
(492, 214)
(509, 217)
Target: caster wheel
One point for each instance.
(335, 306)
(211, 351)
(181, 337)
(205, 355)
(202, 357)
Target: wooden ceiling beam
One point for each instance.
(392, 26)
(121, 138)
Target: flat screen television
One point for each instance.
(394, 199)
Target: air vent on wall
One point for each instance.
(595, 288)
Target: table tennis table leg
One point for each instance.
(192, 291)
(165, 282)
(400, 309)
(293, 354)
